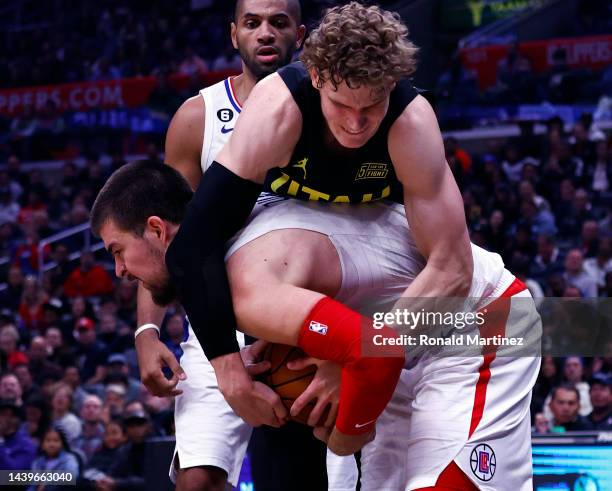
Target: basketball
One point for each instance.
(288, 384)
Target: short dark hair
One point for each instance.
(137, 191)
(293, 6)
(566, 386)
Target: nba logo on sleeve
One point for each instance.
(318, 328)
(483, 462)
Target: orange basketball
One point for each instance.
(289, 384)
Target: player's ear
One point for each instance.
(301, 34)
(314, 78)
(156, 228)
(233, 35)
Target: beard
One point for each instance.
(260, 71)
(163, 294)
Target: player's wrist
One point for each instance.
(148, 330)
(232, 375)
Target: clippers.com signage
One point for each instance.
(590, 52)
(83, 96)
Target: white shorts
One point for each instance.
(473, 411)
(377, 256)
(422, 429)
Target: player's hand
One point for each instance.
(153, 356)
(323, 391)
(255, 402)
(251, 357)
(342, 444)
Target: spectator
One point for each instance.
(513, 74)
(513, 164)
(589, 237)
(548, 378)
(548, 259)
(28, 388)
(72, 378)
(63, 268)
(31, 307)
(175, 330)
(527, 192)
(93, 429)
(103, 459)
(62, 416)
(575, 274)
(458, 159)
(125, 298)
(597, 267)
(89, 279)
(601, 400)
(9, 208)
(59, 352)
(539, 221)
(599, 175)
(109, 327)
(128, 468)
(16, 449)
(11, 297)
(114, 398)
(573, 373)
(564, 405)
(10, 186)
(79, 307)
(116, 364)
(37, 418)
(9, 338)
(90, 352)
(102, 69)
(161, 410)
(55, 455)
(10, 389)
(40, 366)
(541, 425)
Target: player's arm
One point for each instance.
(183, 148)
(433, 204)
(264, 136)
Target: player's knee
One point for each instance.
(205, 478)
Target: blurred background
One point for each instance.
(523, 94)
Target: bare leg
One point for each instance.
(206, 478)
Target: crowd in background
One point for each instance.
(70, 396)
(112, 39)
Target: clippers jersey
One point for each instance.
(222, 110)
(316, 172)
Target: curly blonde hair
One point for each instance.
(360, 45)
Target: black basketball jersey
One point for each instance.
(316, 172)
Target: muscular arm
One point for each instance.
(183, 149)
(433, 204)
(263, 137)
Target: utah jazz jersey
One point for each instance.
(222, 110)
(316, 172)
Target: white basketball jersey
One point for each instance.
(222, 110)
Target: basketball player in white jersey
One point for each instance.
(209, 450)
(338, 230)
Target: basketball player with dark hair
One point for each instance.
(347, 127)
(211, 441)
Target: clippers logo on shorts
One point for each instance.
(318, 328)
(372, 171)
(483, 462)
